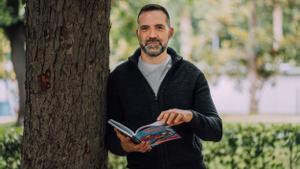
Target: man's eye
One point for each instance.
(160, 27)
(144, 28)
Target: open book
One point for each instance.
(154, 133)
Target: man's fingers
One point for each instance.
(166, 116)
(147, 147)
(130, 146)
(175, 116)
(160, 117)
(171, 117)
(178, 118)
(144, 147)
(118, 133)
(138, 147)
(141, 147)
(121, 136)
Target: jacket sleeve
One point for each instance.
(114, 111)
(206, 122)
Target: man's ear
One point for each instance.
(171, 32)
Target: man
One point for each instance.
(157, 84)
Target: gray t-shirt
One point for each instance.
(155, 73)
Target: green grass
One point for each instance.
(7, 125)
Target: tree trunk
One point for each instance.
(186, 34)
(256, 85)
(251, 56)
(277, 25)
(67, 68)
(16, 36)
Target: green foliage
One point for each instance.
(116, 162)
(3, 45)
(231, 38)
(11, 11)
(123, 39)
(244, 146)
(10, 147)
(255, 146)
(4, 57)
(5, 17)
(248, 146)
(220, 34)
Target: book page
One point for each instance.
(122, 128)
(157, 134)
(157, 123)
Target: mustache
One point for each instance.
(153, 40)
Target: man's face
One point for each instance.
(153, 32)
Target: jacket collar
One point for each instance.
(175, 57)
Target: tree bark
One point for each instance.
(251, 56)
(67, 68)
(16, 36)
(277, 25)
(186, 34)
(256, 85)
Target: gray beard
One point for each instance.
(153, 51)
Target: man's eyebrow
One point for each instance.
(144, 26)
(154, 25)
(160, 25)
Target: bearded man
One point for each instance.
(156, 84)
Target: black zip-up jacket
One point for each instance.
(132, 102)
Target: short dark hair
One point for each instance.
(154, 7)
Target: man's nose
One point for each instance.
(152, 34)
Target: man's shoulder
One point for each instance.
(122, 71)
(190, 67)
(120, 67)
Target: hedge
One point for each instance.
(10, 147)
(244, 146)
(263, 146)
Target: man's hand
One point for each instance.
(130, 146)
(174, 117)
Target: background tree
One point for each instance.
(290, 45)
(11, 20)
(247, 44)
(4, 57)
(67, 67)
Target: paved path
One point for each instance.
(8, 119)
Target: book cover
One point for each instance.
(154, 133)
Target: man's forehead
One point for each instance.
(152, 18)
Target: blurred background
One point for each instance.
(249, 51)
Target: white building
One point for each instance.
(281, 97)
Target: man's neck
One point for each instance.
(154, 60)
